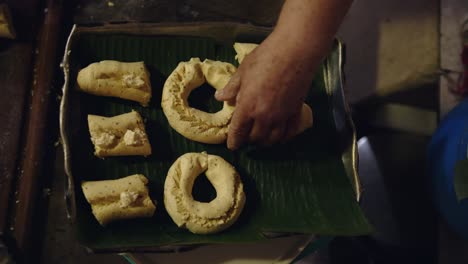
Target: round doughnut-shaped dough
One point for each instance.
(198, 217)
(192, 123)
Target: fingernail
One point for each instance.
(219, 93)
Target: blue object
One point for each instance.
(449, 145)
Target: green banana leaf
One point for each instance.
(297, 187)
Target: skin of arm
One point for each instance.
(270, 85)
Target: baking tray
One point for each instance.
(331, 109)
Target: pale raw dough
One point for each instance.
(192, 123)
(211, 128)
(123, 198)
(126, 80)
(306, 118)
(198, 217)
(243, 49)
(122, 135)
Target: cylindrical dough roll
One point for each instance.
(123, 198)
(122, 135)
(126, 80)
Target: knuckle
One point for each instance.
(261, 113)
(238, 131)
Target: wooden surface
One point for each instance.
(36, 129)
(26, 73)
(14, 89)
(24, 14)
(15, 69)
(260, 12)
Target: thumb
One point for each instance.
(229, 92)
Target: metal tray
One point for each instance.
(222, 32)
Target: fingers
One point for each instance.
(276, 135)
(239, 129)
(246, 127)
(229, 92)
(292, 127)
(260, 131)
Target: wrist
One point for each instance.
(308, 27)
(299, 46)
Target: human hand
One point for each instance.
(268, 90)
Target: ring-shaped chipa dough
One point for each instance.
(198, 217)
(306, 116)
(126, 80)
(192, 123)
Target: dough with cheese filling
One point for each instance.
(119, 199)
(126, 80)
(122, 135)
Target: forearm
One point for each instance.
(279, 73)
(309, 26)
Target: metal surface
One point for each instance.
(343, 120)
(397, 199)
(69, 185)
(279, 250)
(374, 181)
(94, 12)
